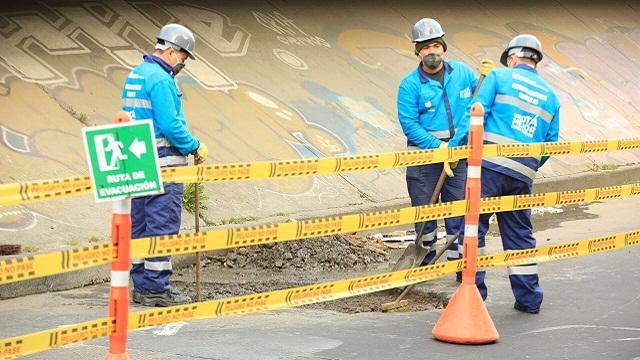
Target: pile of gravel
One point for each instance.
(335, 252)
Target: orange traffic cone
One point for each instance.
(119, 294)
(466, 319)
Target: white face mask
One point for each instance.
(178, 66)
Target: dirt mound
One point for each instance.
(10, 249)
(224, 283)
(417, 300)
(335, 252)
(264, 268)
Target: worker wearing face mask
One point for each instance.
(433, 100)
(150, 92)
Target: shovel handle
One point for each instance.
(433, 200)
(438, 188)
(480, 79)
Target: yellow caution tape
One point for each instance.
(310, 167)
(35, 266)
(20, 193)
(18, 346)
(561, 251)
(327, 166)
(303, 295)
(309, 294)
(31, 267)
(272, 233)
(519, 202)
(559, 148)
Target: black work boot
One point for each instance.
(521, 308)
(167, 298)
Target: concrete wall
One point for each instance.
(282, 80)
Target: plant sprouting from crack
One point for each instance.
(189, 202)
(80, 116)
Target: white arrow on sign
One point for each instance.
(138, 148)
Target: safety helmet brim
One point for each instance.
(191, 56)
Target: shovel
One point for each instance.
(398, 302)
(416, 252)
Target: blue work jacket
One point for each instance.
(519, 107)
(150, 92)
(430, 112)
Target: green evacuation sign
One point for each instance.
(123, 160)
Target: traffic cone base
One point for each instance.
(466, 319)
(111, 356)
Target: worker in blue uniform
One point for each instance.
(150, 92)
(520, 107)
(432, 102)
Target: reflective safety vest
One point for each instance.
(519, 107)
(150, 92)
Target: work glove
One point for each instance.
(201, 154)
(486, 67)
(448, 166)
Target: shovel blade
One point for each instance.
(410, 258)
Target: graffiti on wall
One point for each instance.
(287, 31)
(260, 89)
(51, 41)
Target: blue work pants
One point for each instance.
(421, 182)
(516, 232)
(155, 215)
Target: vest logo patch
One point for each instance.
(525, 124)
